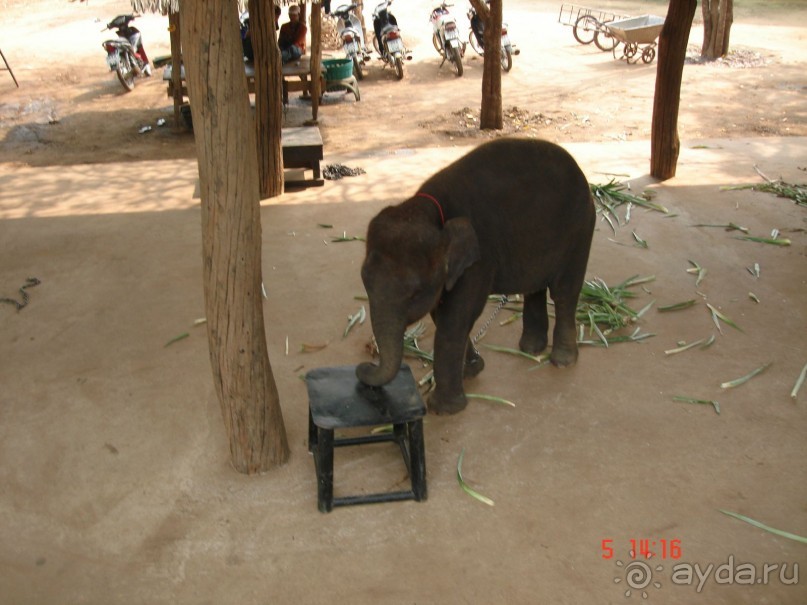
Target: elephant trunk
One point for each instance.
(389, 337)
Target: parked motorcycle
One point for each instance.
(387, 40)
(351, 33)
(446, 37)
(126, 55)
(476, 38)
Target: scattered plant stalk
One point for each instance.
(711, 402)
(740, 381)
(799, 382)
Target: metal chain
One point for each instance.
(29, 283)
(484, 328)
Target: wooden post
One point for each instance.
(316, 58)
(665, 145)
(176, 67)
(231, 235)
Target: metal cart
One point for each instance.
(588, 25)
(638, 36)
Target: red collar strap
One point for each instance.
(436, 203)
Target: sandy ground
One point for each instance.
(116, 483)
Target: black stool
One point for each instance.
(337, 400)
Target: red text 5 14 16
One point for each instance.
(644, 548)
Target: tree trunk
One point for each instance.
(231, 235)
(718, 15)
(491, 112)
(671, 54)
(268, 97)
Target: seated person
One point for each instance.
(291, 38)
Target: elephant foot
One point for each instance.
(473, 366)
(447, 405)
(562, 357)
(532, 346)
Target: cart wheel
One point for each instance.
(585, 28)
(648, 54)
(605, 41)
(631, 48)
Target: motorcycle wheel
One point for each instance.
(507, 60)
(437, 45)
(125, 72)
(475, 44)
(357, 69)
(399, 67)
(456, 60)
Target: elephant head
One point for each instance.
(409, 262)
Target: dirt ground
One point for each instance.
(116, 483)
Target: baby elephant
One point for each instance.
(514, 216)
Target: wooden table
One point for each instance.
(296, 78)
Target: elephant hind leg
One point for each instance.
(536, 323)
(564, 335)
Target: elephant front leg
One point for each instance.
(536, 323)
(448, 396)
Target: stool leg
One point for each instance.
(324, 461)
(417, 457)
(312, 432)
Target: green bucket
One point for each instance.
(338, 69)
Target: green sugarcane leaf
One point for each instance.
(535, 358)
(678, 306)
(685, 347)
(490, 398)
(176, 339)
(766, 240)
(778, 532)
(718, 315)
(467, 488)
(711, 402)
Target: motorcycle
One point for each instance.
(446, 37)
(126, 55)
(351, 33)
(476, 38)
(387, 40)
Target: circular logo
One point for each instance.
(638, 576)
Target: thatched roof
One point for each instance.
(172, 6)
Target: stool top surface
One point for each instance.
(338, 399)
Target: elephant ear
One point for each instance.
(462, 251)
